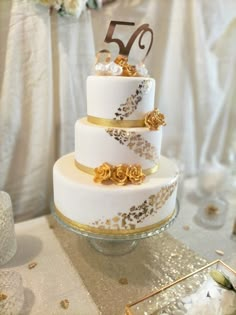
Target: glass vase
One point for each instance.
(7, 232)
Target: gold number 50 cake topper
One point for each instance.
(120, 66)
(125, 50)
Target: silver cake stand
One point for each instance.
(116, 245)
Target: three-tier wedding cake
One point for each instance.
(116, 181)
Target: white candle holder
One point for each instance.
(7, 232)
(213, 211)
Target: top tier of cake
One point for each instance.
(119, 99)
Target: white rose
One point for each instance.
(207, 306)
(57, 4)
(74, 7)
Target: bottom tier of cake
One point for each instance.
(112, 209)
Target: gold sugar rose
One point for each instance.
(120, 175)
(128, 70)
(154, 119)
(102, 173)
(135, 174)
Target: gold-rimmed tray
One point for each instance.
(167, 299)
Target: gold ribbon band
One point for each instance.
(96, 230)
(115, 123)
(90, 170)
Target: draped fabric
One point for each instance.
(44, 62)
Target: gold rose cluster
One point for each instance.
(120, 175)
(128, 70)
(154, 119)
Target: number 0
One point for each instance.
(125, 50)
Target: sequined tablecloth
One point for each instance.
(69, 268)
(206, 240)
(114, 281)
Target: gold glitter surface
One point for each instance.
(135, 142)
(158, 260)
(131, 104)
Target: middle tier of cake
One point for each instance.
(95, 144)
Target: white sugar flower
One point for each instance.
(74, 7)
(206, 306)
(212, 299)
(142, 70)
(57, 4)
(64, 7)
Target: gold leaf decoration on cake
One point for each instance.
(120, 135)
(102, 173)
(135, 142)
(138, 214)
(154, 119)
(131, 104)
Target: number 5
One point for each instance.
(125, 50)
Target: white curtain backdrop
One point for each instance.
(44, 62)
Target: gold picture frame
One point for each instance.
(155, 304)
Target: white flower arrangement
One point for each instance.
(214, 297)
(65, 7)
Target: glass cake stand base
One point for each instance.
(113, 248)
(119, 244)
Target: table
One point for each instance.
(69, 268)
(197, 236)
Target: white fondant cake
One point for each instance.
(96, 144)
(114, 132)
(114, 209)
(106, 94)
